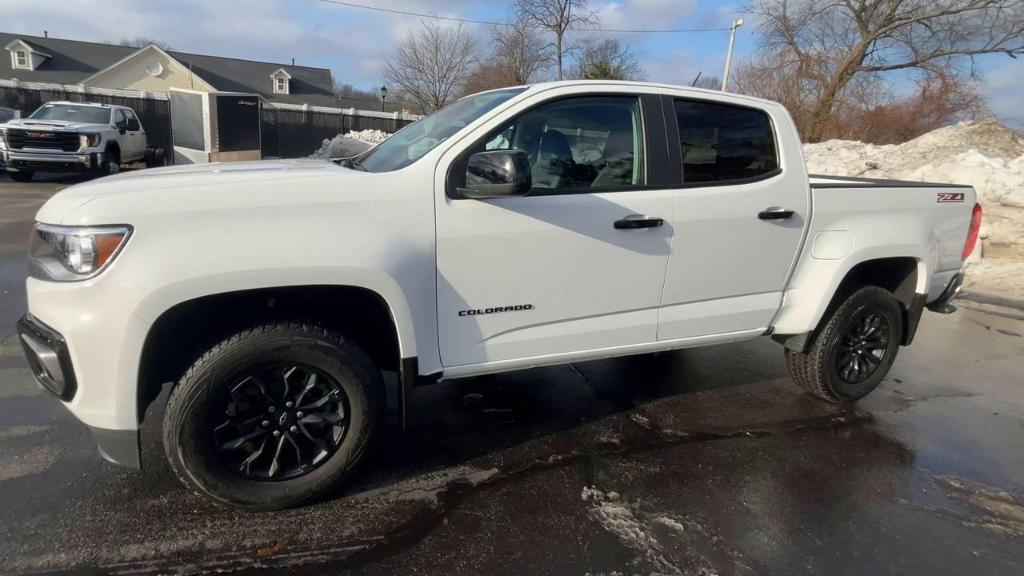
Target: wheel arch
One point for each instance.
(906, 277)
(183, 331)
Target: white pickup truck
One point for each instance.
(520, 227)
(74, 137)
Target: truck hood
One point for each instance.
(46, 125)
(195, 187)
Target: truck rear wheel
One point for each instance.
(855, 349)
(273, 416)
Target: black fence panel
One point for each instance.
(299, 133)
(283, 133)
(155, 115)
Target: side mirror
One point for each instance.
(497, 174)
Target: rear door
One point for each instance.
(551, 273)
(133, 143)
(741, 206)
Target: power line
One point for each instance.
(493, 23)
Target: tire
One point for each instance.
(155, 158)
(20, 176)
(111, 162)
(846, 341)
(239, 381)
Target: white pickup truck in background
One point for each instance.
(515, 228)
(74, 137)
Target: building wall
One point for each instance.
(133, 75)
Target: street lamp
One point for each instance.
(728, 55)
(383, 96)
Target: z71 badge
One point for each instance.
(950, 197)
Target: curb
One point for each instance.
(993, 299)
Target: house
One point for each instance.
(56, 61)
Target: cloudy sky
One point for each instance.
(352, 41)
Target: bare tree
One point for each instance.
(348, 91)
(556, 17)
(487, 75)
(607, 60)
(831, 43)
(709, 82)
(519, 50)
(519, 58)
(432, 63)
(940, 99)
(142, 42)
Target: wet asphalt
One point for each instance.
(705, 461)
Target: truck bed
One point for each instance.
(856, 220)
(826, 181)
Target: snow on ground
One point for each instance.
(984, 154)
(349, 144)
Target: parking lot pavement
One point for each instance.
(700, 461)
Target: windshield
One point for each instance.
(72, 113)
(410, 143)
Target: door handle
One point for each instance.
(774, 213)
(635, 221)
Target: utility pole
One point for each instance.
(728, 55)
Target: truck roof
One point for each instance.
(658, 85)
(90, 104)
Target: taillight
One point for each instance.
(972, 233)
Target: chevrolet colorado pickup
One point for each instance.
(74, 137)
(514, 228)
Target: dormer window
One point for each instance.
(282, 81)
(25, 56)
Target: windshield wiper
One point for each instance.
(350, 162)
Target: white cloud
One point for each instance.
(640, 14)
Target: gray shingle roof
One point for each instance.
(74, 61)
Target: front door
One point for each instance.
(740, 211)
(551, 273)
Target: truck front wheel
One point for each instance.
(855, 349)
(273, 416)
(112, 161)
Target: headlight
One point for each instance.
(3, 139)
(88, 141)
(69, 253)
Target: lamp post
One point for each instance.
(728, 55)
(383, 96)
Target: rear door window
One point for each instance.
(722, 143)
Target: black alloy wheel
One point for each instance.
(280, 422)
(863, 347)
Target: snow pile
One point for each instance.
(984, 154)
(351, 143)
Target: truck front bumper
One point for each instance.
(15, 160)
(50, 362)
(83, 346)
